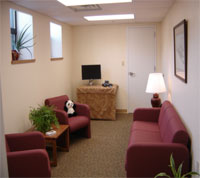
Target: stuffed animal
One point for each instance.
(70, 108)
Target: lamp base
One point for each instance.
(156, 101)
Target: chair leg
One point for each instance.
(85, 132)
(88, 131)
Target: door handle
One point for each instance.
(132, 74)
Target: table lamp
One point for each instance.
(155, 85)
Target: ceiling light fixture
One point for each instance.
(110, 17)
(87, 2)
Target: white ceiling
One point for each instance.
(144, 10)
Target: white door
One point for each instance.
(141, 62)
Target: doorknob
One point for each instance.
(132, 74)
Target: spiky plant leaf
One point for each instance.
(179, 170)
(172, 165)
(21, 41)
(190, 174)
(162, 174)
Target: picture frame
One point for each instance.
(180, 50)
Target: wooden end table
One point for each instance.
(63, 131)
(52, 140)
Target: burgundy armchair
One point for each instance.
(80, 122)
(27, 156)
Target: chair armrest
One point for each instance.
(25, 141)
(146, 114)
(62, 116)
(83, 109)
(154, 157)
(29, 163)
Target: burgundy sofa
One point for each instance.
(156, 133)
(80, 122)
(26, 155)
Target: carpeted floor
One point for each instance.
(101, 156)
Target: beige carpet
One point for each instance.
(101, 156)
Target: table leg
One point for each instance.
(67, 139)
(54, 162)
(65, 147)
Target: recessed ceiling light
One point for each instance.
(87, 2)
(110, 17)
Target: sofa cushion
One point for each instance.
(142, 136)
(162, 122)
(172, 129)
(143, 125)
(142, 131)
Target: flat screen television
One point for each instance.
(91, 72)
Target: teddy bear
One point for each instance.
(70, 108)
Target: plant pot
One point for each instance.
(15, 55)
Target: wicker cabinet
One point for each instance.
(101, 100)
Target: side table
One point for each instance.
(101, 100)
(63, 131)
(62, 134)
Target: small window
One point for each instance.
(56, 40)
(21, 35)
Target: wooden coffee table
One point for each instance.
(62, 134)
(63, 131)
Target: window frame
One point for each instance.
(13, 31)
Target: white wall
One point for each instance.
(185, 97)
(3, 161)
(26, 85)
(105, 45)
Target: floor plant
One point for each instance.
(176, 173)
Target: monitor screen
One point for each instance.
(90, 72)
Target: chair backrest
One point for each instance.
(171, 127)
(7, 146)
(58, 101)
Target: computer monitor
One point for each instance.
(91, 72)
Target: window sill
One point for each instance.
(56, 59)
(23, 61)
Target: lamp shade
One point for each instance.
(155, 83)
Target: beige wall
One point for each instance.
(105, 45)
(26, 85)
(0, 37)
(184, 96)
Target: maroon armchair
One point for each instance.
(27, 156)
(80, 122)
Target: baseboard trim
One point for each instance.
(123, 111)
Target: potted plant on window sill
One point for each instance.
(21, 43)
(43, 118)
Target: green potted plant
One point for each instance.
(43, 118)
(176, 173)
(21, 43)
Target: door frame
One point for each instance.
(127, 57)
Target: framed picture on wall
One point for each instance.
(180, 50)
